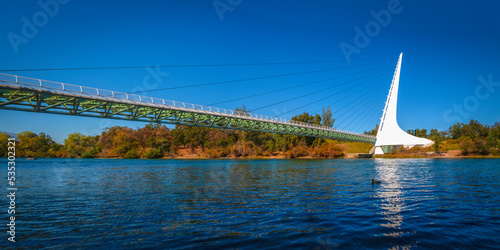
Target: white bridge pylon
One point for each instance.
(390, 135)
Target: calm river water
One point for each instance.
(256, 204)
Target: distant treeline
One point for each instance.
(472, 139)
(155, 141)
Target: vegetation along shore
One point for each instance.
(156, 141)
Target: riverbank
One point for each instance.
(451, 154)
(186, 142)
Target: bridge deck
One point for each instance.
(36, 95)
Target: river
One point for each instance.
(256, 204)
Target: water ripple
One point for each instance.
(258, 204)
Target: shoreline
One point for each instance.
(284, 158)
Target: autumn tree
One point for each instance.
(36, 145)
(117, 141)
(4, 140)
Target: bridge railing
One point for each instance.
(59, 86)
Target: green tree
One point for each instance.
(305, 117)
(373, 131)
(418, 132)
(327, 117)
(132, 154)
(305, 141)
(153, 153)
(421, 133)
(473, 130)
(437, 137)
(78, 145)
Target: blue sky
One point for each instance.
(447, 45)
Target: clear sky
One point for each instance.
(447, 46)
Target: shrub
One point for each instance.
(237, 150)
(249, 149)
(216, 152)
(474, 146)
(328, 150)
(92, 152)
(152, 153)
(132, 154)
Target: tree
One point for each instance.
(307, 141)
(437, 137)
(473, 146)
(154, 136)
(418, 132)
(153, 153)
(456, 130)
(495, 135)
(242, 111)
(4, 140)
(306, 118)
(78, 145)
(373, 131)
(421, 133)
(117, 141)
(33, 145)
(327, 117)
(473, 129)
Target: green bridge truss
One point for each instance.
(35, 95)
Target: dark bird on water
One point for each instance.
(375, 182)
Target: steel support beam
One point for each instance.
(50, 102)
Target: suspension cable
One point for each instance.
(373, 97)
(243, 80)
(333, 95)
(318, 100)
(182, 65)
(288, 88)
(311, 93)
